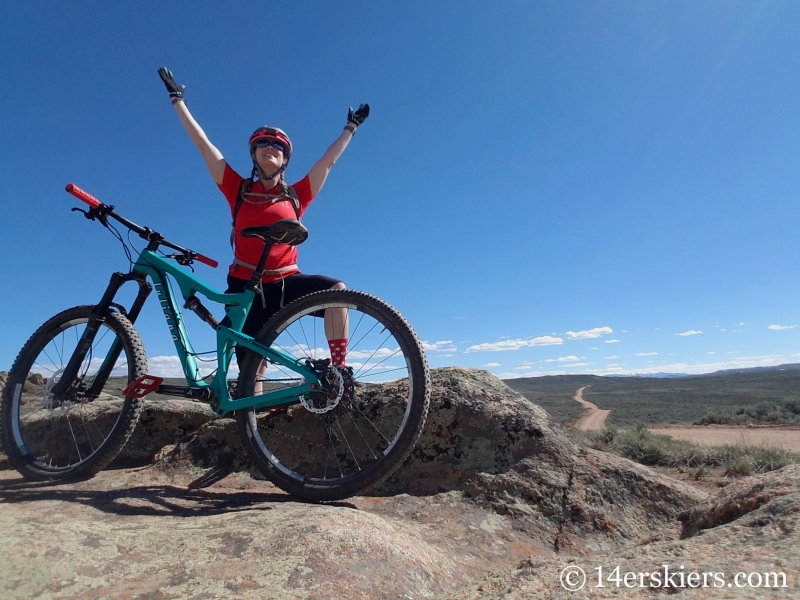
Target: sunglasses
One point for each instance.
(267, 143)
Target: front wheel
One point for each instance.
(359, 429)
(51, 436)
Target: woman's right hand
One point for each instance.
(175, 90)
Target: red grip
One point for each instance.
(83, 196)
(206, 261)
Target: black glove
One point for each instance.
(358, 116)
(175, 90)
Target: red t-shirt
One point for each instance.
(261, 211)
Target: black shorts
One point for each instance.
(276, 296)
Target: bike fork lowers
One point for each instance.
(96, 319)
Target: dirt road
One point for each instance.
(593, 417)
(781, 436)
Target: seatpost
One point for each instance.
(255, 280)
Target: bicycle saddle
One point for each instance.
(285, 231)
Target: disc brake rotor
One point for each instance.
(323, 402)
(47, 393)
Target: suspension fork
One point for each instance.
(97, 318)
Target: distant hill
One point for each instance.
(783, 367)
(662, 399)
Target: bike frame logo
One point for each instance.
(167, 307)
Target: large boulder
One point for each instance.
(751, 528)
(493, 486)
(505, 454)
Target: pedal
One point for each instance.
(146, 384)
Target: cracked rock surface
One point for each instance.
(493, 499)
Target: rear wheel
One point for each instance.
(72, 436)
(358, 430)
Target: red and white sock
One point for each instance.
(338, 351)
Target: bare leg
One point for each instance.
(336, 320)
(259, 386)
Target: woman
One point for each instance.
(264, 199)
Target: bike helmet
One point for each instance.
(272, 133)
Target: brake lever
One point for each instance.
(85, 213)
(184, 260)
(100, 213)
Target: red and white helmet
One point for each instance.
(272, 133)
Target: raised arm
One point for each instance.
(319, 172)
(212, 157)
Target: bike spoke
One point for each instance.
(88, 436)
(375, 427)
(374, 366)
(60, 364)
(354, 346)
(358, 466)
(373, 353)
(74, 439)
(358, 429)
(386, 371)
(355, 330)
(336, 456)
(41, 366)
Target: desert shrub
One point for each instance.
(738, 467)
(713, 418)
(785, 411)
(642, 446)
(767, 458)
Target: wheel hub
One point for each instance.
(329, 398)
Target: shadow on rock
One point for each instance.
(156, 500)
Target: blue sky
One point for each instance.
(541, 187)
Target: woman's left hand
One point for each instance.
(358, 116)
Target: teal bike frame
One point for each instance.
(237, 306)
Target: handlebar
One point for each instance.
(155, 239)
(83, 196)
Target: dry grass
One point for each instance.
(640, 445)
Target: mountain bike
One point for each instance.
(317, 431)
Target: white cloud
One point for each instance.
(611, 357)
(646, 353)
(492, 365)
(589, 333)
(498, 346)
(738, 324)
(379, 353)
(712, 352)
(443, 346)
(612, 341)
(170, 366)
(544, 340)
(694, 368)
(690, 332)
(780, 327)
(570, 358)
